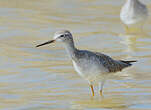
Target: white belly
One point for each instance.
(130, 20)
(89, 72)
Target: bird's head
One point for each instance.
(60, 36)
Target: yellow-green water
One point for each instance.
(44, 79)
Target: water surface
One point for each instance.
(43, 78)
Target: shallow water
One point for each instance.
(43, 78)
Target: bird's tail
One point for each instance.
(129, 63)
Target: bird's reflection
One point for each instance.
(138, 46)
(135, 42)
(113, 102)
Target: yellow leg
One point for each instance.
(101, 84)
(101, 92)
(91, 86)
(126, 29)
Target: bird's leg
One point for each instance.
(126, 29)
(142, 29)
(101, 84)
(91, 86)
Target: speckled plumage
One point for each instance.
(92, 66)
(107, 62)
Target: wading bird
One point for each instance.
(92, 66)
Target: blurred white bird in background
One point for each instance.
(133, 14)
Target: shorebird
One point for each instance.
(92, 66)
(133, 13)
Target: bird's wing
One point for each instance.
(111, 64)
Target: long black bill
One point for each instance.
(48, 42)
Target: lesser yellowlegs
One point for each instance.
(92, 66)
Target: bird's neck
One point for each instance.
(71, 50)
(131, 2)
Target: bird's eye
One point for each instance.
(62, 36)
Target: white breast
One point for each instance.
(130, 18)
(78, 70)
(132, 14)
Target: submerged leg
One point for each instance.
(91, 86)
(101, 84)
(142, 28)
